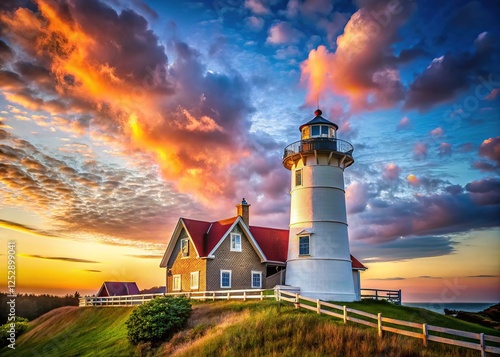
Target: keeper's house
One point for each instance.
(228, 254)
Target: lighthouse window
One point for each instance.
(298, 177)
(321, 130)
(304, 245)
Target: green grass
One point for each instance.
(229, 328)
(76, 331)
(418, 315)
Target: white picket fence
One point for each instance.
(423, 331)
(128, 300)
(417, 330)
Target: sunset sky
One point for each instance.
(119, 117)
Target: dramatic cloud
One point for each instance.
(193, 122)
(489, 149)
(405, 249)
(88, 197)
(362, 67)
(433, 215)
(451, 74)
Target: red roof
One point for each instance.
(356, 264)
(272, 241)
(118, 288)
(206, 235)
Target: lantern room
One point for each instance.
(318, 127)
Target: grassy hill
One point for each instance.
(233, 329)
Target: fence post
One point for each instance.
(318, 306)
(213, 296)
(261, 295)
(376, 295)
(399, 297)
(481, 343)
(345, 314)
(228, 296)
(244, 296)
(297, 301)
(425, 334)
(379, 323)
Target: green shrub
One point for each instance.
(21, 325)
(158, 319)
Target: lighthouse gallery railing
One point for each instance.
(318, 144)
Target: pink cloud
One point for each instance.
(437, 132)
(444, 149)
(391, 172)
(283, 33)
(420, 151)
(404, 123)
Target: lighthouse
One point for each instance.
(319, 260)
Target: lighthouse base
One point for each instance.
(324, 279)
(328, 296)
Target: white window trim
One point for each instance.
(230, 278)
(301, 177)
(309, 245)
(182, 252)
(197, 274)
(231, 243)
(180, 282)
(260, 279)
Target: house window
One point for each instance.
(304, 245)
(235, 242)
(225, 278)
(185, 247)
(176, 284)
(195, 280)
(298, 177)
(256, 279)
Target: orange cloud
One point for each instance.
(194, 142)
(360, 68)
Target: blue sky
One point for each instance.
(118, 117)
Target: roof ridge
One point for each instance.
(276, 229)
(224, 220)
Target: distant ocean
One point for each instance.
(463, 306)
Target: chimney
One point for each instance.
(243, 210)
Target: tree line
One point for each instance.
(32, 306)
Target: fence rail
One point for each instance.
(393, 296)
(386, 324)
(130, 300)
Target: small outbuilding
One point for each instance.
(118, 288)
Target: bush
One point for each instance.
(21, 325)
(158, 319)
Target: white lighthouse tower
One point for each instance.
(319, 260)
